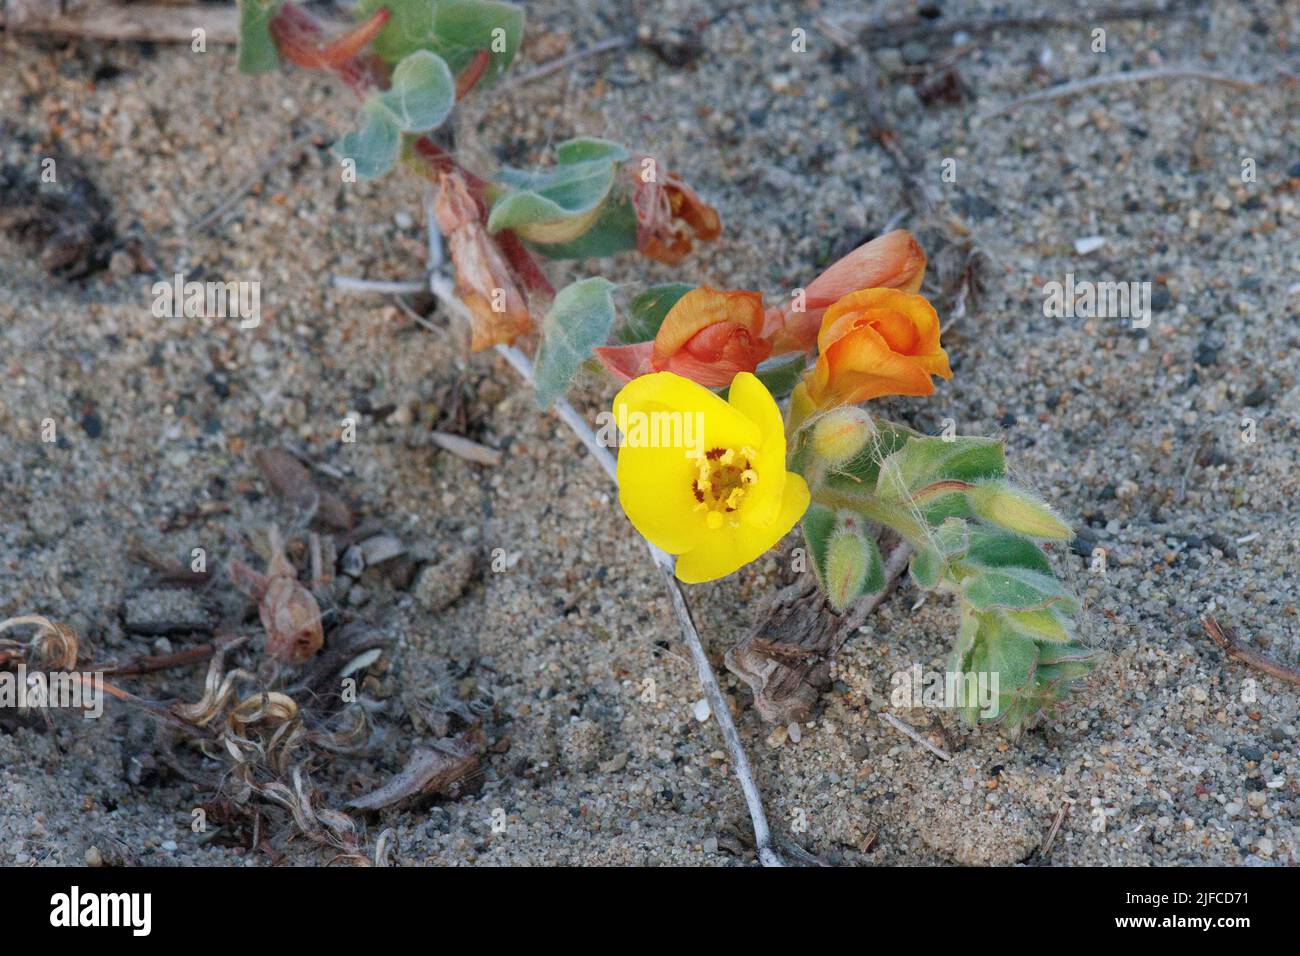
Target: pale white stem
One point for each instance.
(445, 292)
(349, 284)
(666, 565)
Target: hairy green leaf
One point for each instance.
(648, 310)
(1016, 589)
(924, 461)
(614, 231)
(422, 94)
(375, 147)
(559, 204)
(579, 319)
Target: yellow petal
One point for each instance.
(724, 426)
(720, 552)
(751, 398)
(654, 488)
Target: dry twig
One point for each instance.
(1226, 637)
(907, 731)
(1139, 76)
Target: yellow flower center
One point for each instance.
(724, 475)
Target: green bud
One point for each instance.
(1016, 510)
(847, 567)
(840, 435)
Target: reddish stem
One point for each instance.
(472, 73)
(298, 37)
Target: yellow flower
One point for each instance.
(702, 478)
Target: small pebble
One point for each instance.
(701, 710)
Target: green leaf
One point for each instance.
(863, 471)
(998, 549)
(996, 651)
(580, 318)
(257, 52)
(818, 525)
(782, 374)
(1043, 625)
(924, 461)
(648, 311)
(374, 149)
(1016, 589)
(559, 204)
(422, 94)
(410, 27)
(614, 231)
(585, 149)
(463, 27)
(946, 543)
(1065, 663)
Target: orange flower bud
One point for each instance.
(873, 343)
(708, 336)
(891, 261)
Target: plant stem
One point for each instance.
(442, 289)
(666, 564)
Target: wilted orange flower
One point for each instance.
(891, 261)
(873, 343)
(484, 280)
(670, 216)
(707, 336)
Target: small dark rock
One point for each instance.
(1256, 396)
(1207, 354)
(91, 424)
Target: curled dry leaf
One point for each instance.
(293, 480)
(448, 768)
(288, 610)
(484, 279)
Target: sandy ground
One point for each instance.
(1174, 754)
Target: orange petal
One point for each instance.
(626, 362)
(861, 366)
(703, 307)
(894, 261)
(716, 353)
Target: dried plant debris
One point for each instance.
(784, 659)
(48, 203)
(288, 610)
(450, 767)
(293, 480)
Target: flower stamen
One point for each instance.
(724, 475)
